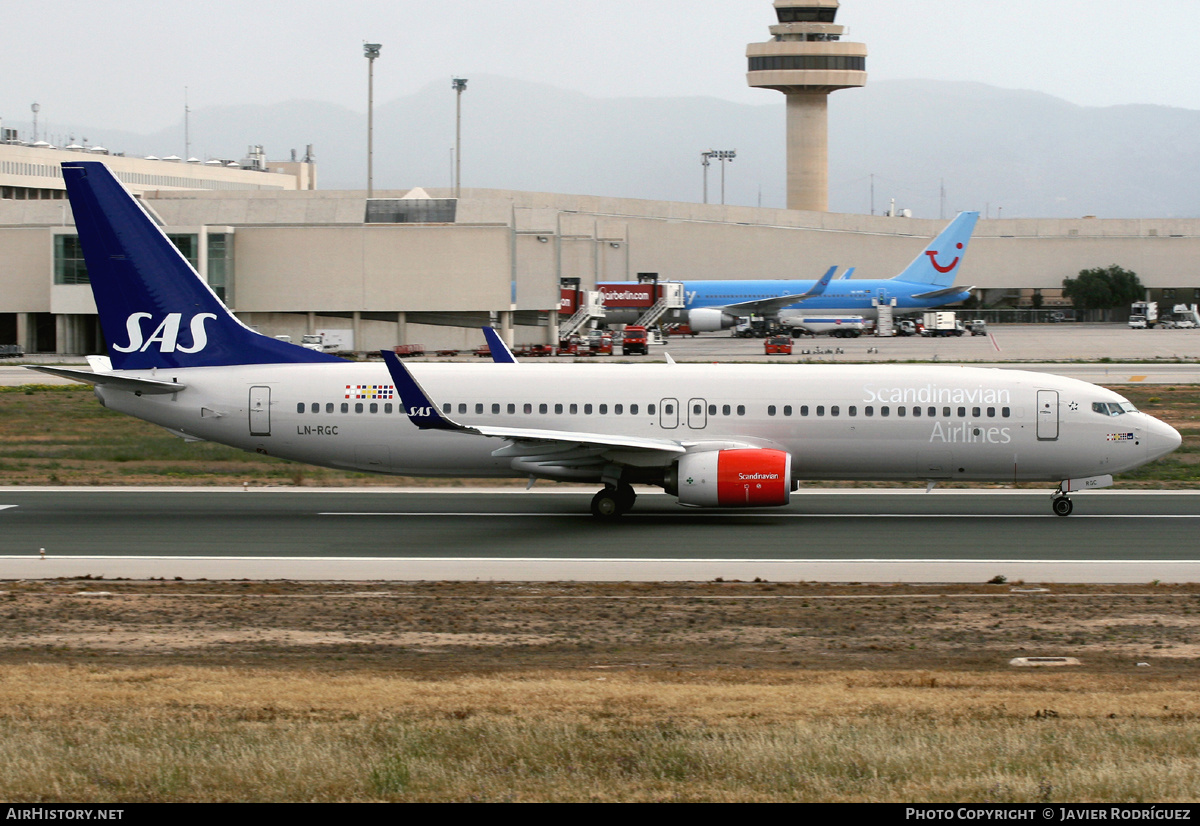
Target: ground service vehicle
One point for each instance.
(851, 326)
(941, 324)
(778, 346)
(329, 341)
(710, 435)
(599, 344)
(1147, 314)
(977, 327)
(635, 341)
(678, 330)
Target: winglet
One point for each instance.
(847, 273)
(821, 283)
(420, 408)
(500, 352)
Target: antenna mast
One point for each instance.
(187, 135)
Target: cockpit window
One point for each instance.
(1113, 408)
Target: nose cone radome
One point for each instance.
(1161, 439)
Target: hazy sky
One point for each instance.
(125, 66)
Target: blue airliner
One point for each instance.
(926, 283)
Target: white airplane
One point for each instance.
(711, 435)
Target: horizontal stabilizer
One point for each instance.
(944, 293)
(131, 384)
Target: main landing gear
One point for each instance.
(612, 502)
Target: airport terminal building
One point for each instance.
(419, 266)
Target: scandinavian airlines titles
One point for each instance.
(950, 432)
(935, 394)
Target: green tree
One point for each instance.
(1103, 288)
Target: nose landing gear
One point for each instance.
(1061, 503)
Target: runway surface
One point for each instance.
(848, 535)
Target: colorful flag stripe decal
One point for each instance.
(370, 391)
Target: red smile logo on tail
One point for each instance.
(933, 260)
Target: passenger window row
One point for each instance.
(344, 407)
(573, 409)
(886, 410)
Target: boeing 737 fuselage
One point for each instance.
(712, 435)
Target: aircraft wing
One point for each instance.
(948, 291)
(772, 306)
(425, 414)
(132, 384)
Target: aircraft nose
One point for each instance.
(1161, 439)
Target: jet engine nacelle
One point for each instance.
(710, 320)
(735, 478)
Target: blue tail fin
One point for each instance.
(938, 263)
(154, 309)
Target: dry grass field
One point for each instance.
(212, 691)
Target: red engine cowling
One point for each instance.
(737, 478)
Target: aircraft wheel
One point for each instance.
(606, 505)
(625, 498)
(1062, 506)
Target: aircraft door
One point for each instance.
(668, 413)
(697, 414)
(1047, 415)
(260, 411)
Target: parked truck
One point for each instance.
(846, 326)
(1143, 315)
(941, 324)
(635, 340)
(329, 341)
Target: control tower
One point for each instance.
(806, 59)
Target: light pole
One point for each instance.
(704, 156)
(370, 52)
(459, 84)
(723, 155)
